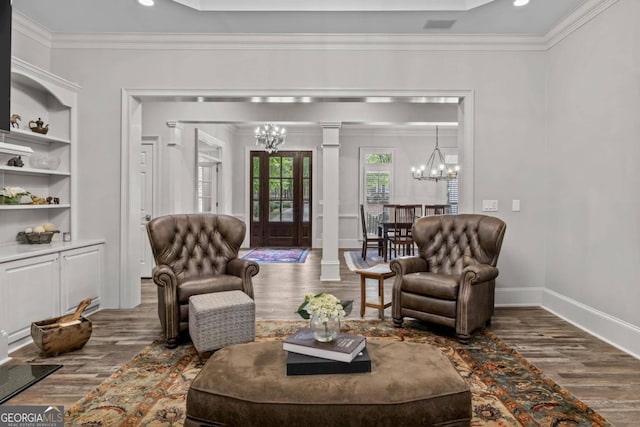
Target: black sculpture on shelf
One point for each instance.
(15, 161)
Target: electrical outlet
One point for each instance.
(489, 206)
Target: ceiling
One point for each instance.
(485, 17)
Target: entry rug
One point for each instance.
(277, 255)
(506, 389)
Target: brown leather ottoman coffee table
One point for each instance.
(409, 385)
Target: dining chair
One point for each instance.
(437, 209)
(404, 217)
(369, 239)
(388, 212)
(417, 211)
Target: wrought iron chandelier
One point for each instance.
(271, 136)
(436, 168)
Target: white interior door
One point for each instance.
(147, 157)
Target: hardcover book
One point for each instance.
(343, 349)
(300, 364)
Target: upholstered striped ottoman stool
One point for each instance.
(409, 385)
(220, 319)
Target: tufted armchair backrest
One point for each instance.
(449, 243)
(195, 244)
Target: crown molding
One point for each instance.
(583, 14)
(324, 42)
(31, 29)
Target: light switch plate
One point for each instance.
(515, 205)
(490, 206)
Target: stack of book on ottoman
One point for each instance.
(347, 354)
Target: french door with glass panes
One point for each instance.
(281, 199)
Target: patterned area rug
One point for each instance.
(277, 255)
(355, 262)
(506, 389)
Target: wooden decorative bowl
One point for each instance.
(36, 238)
(53, 339)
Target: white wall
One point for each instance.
(30, 42)
(509, 91)
(593, 229)
(181, 181)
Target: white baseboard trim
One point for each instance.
(4, 347)
(609, 329)
(19, 343)
(350, 244)
(353, 244)
(519, 297)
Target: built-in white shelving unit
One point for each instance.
(42, 280)
(37, 94)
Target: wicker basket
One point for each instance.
(36, 238)
(53, 339)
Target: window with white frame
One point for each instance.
(377, 183)
(452, 185)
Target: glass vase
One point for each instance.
(325, 331)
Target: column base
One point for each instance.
(330, 271)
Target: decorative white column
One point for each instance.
(330, 264)
(172, 166)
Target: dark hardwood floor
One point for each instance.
(603, 377)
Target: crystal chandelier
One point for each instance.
(271, 137)
(436, 168)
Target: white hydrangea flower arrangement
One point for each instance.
(13, 192)
(324, 306)
(12, 195)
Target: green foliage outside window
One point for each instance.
(378, 158)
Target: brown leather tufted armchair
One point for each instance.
(452, 280)
(195, 254)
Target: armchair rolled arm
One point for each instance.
(479, 273)
(466, 318)
(244, 269)
(165, 278)
(408, 265)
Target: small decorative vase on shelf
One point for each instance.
(325, 331)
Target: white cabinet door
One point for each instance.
(80, 275)
(30, 293)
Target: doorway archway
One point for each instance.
(132, 101)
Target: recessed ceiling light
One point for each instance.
(520, 2)
(146, 2)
